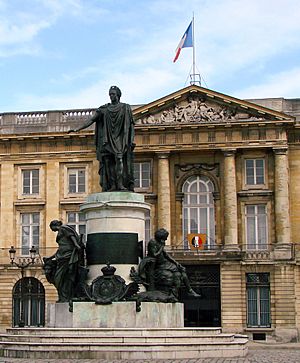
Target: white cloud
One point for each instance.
(136, 88)
(74, 76)
(285, 84)
(20, 26)
(11, 33)
(233, 34)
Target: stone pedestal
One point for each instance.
(116, 315)
(115, 224)
(59, 316)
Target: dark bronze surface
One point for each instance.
(120, 248)
(114, 139)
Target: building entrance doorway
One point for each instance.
(28, 303)
(204, 311)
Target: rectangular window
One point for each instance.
(30, 231)
(142, 174)
(255, 171)
(76, 180)
(77, 221)
(258, 300)
(30, 181)
(256, 227)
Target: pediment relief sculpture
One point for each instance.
(196, 111)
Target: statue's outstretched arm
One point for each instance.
(88, 123)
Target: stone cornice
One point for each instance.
(219, 125)
(49, 136)
(255, 193)
(36, 135)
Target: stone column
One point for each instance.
(230, 201)
(282, 208)
(163, 194)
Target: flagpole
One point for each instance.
(194, 57)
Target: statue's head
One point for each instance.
(161, 234)
(115, 93)
(55, 225)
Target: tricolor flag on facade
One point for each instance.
(186, 41)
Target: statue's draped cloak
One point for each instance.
(67, 257)
(114, 131)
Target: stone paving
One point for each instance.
(255, 355)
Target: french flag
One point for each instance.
(186, 41)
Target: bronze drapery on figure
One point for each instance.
(63, 268)
(114, 139)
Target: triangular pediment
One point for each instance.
(195, 104)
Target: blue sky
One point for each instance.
(63, 54)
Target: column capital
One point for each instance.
(229, 152)
(179, 196)
(216, 195)
(163, 154)
(280, 150)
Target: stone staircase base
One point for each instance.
(122, 343)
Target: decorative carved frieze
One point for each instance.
(196, 111)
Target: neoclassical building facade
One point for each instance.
(220, 174)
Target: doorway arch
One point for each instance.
(28, 303)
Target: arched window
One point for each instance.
(28, 302)
(198, 208)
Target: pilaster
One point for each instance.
(282, 208)
(53, 188)
(163, 197)
(230, 201)
(7, 216)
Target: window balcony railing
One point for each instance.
(185, 250)
(263, 254)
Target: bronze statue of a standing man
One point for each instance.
(114, 136)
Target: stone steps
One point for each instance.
(114, 331)
(101, 339)
(44, 343)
